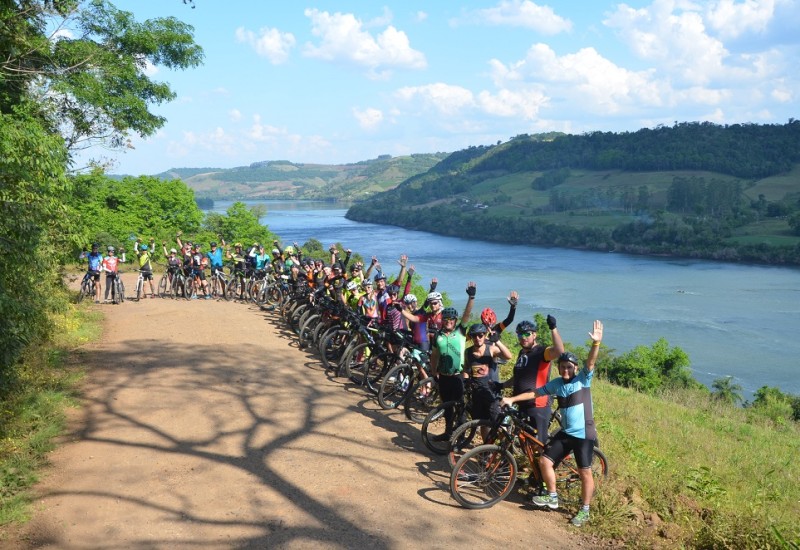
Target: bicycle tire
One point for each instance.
(332, 346)
(422, 399)
(434, 428)
(377, 368)
(568, 481)
(304, 336)
(396, 386)
(465, 437)
(188, 288)
(162, 286)
(274, 295)
(483, 477)
(84, 290)
(139, 285)
(354, 366)
(120, 288)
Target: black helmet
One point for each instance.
(525, 326)
(393, 289)
(568, 356)
(477, 329)
(95, 245)
(449, 313)
(380, 276)
(212, 244)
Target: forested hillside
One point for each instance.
(281, 179)
(695, 189)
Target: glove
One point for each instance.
(494, 337)
(397, 305)
(551, 322)
(513, 302)
(471, 291)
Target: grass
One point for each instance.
(33, 413)
(689, 471)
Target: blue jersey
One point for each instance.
(95, 261)
(575, 403)
(215, 257)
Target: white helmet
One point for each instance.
(352, 285)
(434, 296)
(409, 298)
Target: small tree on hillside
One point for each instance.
(726, 391)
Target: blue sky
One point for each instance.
(340, 82)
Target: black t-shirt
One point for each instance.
(532, 371)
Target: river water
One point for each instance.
(730, 319)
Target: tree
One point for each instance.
(726, 391)
(88, 77)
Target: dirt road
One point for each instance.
(204, 426)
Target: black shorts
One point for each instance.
(147, 275)
(200, 274)
(93, 275)
(540, 419)
(562, 444)
(485, 404)
(215, 269)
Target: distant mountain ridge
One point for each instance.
(282, 179)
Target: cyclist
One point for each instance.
(95, 260)
(173, 263)
(199, 263)
(239, 265)
(489, 318)
(532, 370)
(573, 391)
(447, 358)
(425, 323)
(110, 266)
(480, 362)
(144, 255)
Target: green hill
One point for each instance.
(697, 190)
(281, 179)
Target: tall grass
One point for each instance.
(33, 408)
(689, 471)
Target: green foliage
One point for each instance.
(143, 207)
(239, 224)
(726, 391)
(648, 369)
(777, 406)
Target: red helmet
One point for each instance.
(488, 317)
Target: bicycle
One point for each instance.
(219, 283)
(487, 474)
(139, 284)
(88, 287)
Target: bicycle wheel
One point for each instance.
(466, 437)
(332, 346)
(274, 295)
(119, 286)
(568, 481)
(396, 386)
(434, 430)
(306, 330)
(162, 286)
(422, 400)
(376, 367)
(483, 477)
(86, 290)
(139, 284)
(355, 365)
(188, 288)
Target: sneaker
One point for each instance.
(545, 501)
(97, 301)
(580, 518)
(208, 297)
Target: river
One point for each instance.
(730, 319)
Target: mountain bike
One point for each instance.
(88, 287)
(219, 283)
(139, 285)
(487, 474)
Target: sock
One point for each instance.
(554, 495)
(586, 508)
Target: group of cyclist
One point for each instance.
(459, 353)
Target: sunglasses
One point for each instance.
(524, 334)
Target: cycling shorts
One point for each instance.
(561, 445)
(216, 268)
(147, 275)
(199, 273)
(93, 275)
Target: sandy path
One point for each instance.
(205, 427)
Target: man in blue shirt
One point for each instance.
(95, 259)
(573, 391)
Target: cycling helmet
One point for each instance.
(276, 252)
(525, 326)
(380, 276)
(110, 249)
(393, 289)
(212, 244)
(143, 248)
(478, 329)
(410, 299)
(237, 245)
(434, 296)
(352, 285)
(449, 313)
(568, 356)
(173, 251)
(355, 267)
(289, 249)
(367, 283)
(95, 245)
(488, 317)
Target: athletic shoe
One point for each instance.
(580, 518)
(208, 297)
(545, 501)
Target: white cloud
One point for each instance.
(421, 16)
(522, 13)
(235, 114)
(506, 103)
(731, 19)
(343, 38)
(369, 118)
(270, 43)
(444, 98)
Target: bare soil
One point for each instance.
(204, 426)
